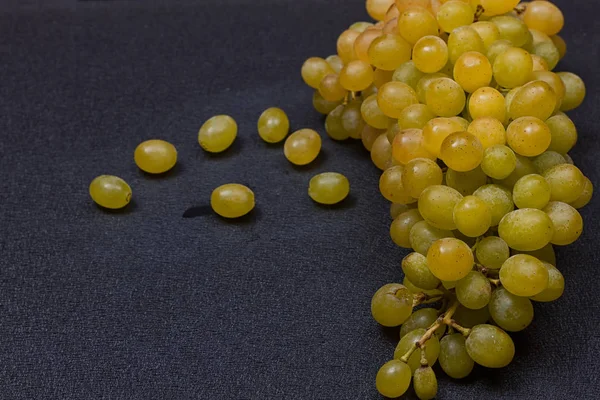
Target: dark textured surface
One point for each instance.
(145, 304)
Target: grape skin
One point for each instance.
(110, 191)
(232, 200)
(391, 305)
(328, 188)
(490, 346)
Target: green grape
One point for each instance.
(345, 45)
(586, 195)
(393, 97)
(423, 318)
(402, 225)
(331, 89)
(352, 121)
(357, 75)
(575, 91)
(419, 174)
(155, 156)
(302, 146)
(555, 83)
(217, 134)
(544, 16)
(408, 145)
(436, 205)
(491, 252)
(232, 200)
(468, 318)
(548, 52)
(547, 160)
(393, 379)
(416, 290)
(415, 269)
(273, 125)
(333, 124)
(534, 99)
(408, 73)
(422, 236)
(314, 70)
(415, 116)
(454, 359)
(391, 305)
(110, 191)
(472, 71)
(466, 182)
(556, 285)
(511, 313)
(496, 48)
(487, 102)
(424, 381)
(474, 290)
(490, 346)
(430, 54)
(563, 133)
(545, 254)
(488, 31)
(390, 186)
(423, 85)
(472, 216)
(372, 114)
(415, 23)
(566, 182)
(512, 29)
(524, 167)
(524, 275)
(335, 62)
(488, 130)
(450, 259)
(449, 284)
(528, 136)
(368, 136)
(328, 188)
(464, 39)
(453, 14)
(432, 349)
(560, 44)
(527, 229)
(512, 67)
(392, 131)
(496, 7)
(498, 199)
(498, 162)
(568, 224)
(323, 106)
(531, 191)
(436, 130)
(381, 152)
(445, 97)
(461, 151)
(388, 52)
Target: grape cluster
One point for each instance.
(459, 106)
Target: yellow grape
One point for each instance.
(438, 129)
(232, 200)
(496, 48)
(464, 39)
(408, 145)
(488, 31)
(436, 205)
(378, 8)
(351, 119)
(110, 191)
(566, 182)
(328, 188)
(430, 54)
(498, 199)
(424, 82)
(512, 29)
(472, 71)
(524, 275)
(217, 133)
(560, 44)
(394, 97)
(388, 52)
(539, 64)
(575, 91)
(369, 135)
(372, 114)
(450, 259)
(408, 73)
(335, 62)
(314, 70)
(414, 23)
(334, 126)
(323, 105)
(402, 5)
(155, 156)
(357, 75)
(498, 162)
(568, 224)
(402, 225)
(453, 14)
(419, 174)
(381, 152)
(487, 102)
(461, 151)
(331, 89)
(363, 41)
(466, 182)
(361, 26)
(345, 45)
(497, 7)
(302, 146)
(544, 16)
(445, 97)
(534, 99)
(528, 136)
(586, 195)
(513, 67)
(381, 77)
(531, 191)
(415, 116)
(489, 131)
(391, 187)
(526, 229)
(472, 216)
(273, 125)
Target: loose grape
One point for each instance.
(396, 209)
(498, 199)
(345, 45)
(563, 133)
(394, 97)
(464, 39)
(511, 313)
(586, 195)
(560, 44)
(436, 205)
(408, 73)
(534, 99)
(381, 152)
(363, 41)
(352, 121)
(415, 116)
(430, 54)
(381, 77)
(528, 136)
(110, 191)
(425, 383)
(415, 23)
(372, 114)
(422, 236)
(531, 191)
(302, 146)
(232, 200)
(490, 346)
(466, 182)
(335, 62)
(392, 305)
(568, 224)
(527, 229)
(491, 252)
(357, 75)
(487, 102)
(472, 216)
(524, 167)
(408, 145)
(420, 174)
(472, 71)
(498, 162)
(575, 91)
(328, 188)
(391, 187)
(566, 182)
(524, 275)
(217, 134)
(450, 259)
(454, 359)
(438, 129)
(377, 10)
(432, 349)
(415, 269)
(333, 124)
(547, 160)
(369, 135)
(544, 16)
(512, 67)
(556, 285)
(331, 89)
(155, 156)
(488, 130)
(445, 97)
(314, 70)
(488, 31)
(388, 52)
(454, 14)
(273, 125)
(496, 48)
(393, 379)
(422, 318)
(322, 105)
(545, 254)
(461, 151)
(402, 225)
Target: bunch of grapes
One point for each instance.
(458, 104)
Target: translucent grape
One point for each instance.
(415, 23)
(511, 313)
(423, 318)
(528, 136)
(547, 160)
(314, 70)
(512, 29)
(357, 75)
(466, 182)
(408, 73)
(496, 48)
(402, 225)
(331, 89)
(422, 236)
(273, 125)
(472, 71)
(425, 383)
(454, 14)
(217, 134)
(472, 216)
(488, 130)
(544, 16)
(420, 174)
(539, 64)
(497, 7)
(110, 191)
(335, 62)
(568, 224)
(491, 252)
(391, 305)
(549, 52)
(531, 191)
(524, 275)
(363, 41)
(556, 285)
(392, 131)
(563, 133)
(302, 146)
(232, 200)
(566, 182)
(498, 162)
(575, 91)
(390, 186)
(389, 51)
(438, 129)
(468, 318)
(408, 145)
(432, 349)
(372, 114)
(415, 116)
(368, 136)
(488, 31)
(555, 83)
(454, 359)
(512, 67)
(461, 151)
(534, 99)
(445, 97)
(381, 77)
(155, 156)
(498, 199)
(436, 205)
(415, 290)
(464, 39)
(351, 119)
(333, 124)
(526, 229)
(328, 188)
(381, 152)
(415, 269)
(586, 195)
(474, 291)
(322, 105)
(450, 259)
(524, 167)
(430, 54)
(490, 346)
(393, 379)
(560, 44)
(394, 97)
(487, 102)
(424, 83)
(345, 45)
(377, 10)
(360, 26)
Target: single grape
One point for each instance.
(381, 152)
(217, 134)
(314, 70)
(351, 119)
(391, 305)
(549, 52)
(432, 349)
(474, 290)
(438, 129)
(335, 62)
(586, 195)
(463, 39)
(575, 91)
(302, 146)
(556, 285)
(450, 259)
(524, 167)
(408, 73)
(415, 23)
(472, 71)
(461, 151)
(488, 130)
(512, 29)
(544, 16)
(408, 145)
(488, 31)
(363, 41)
(547, 160)
(496, 48)
(419, 174)
(568, 224)
(511, 313)
(232, 200)
(545, 254)
(155, 156)
(497, 7)
(498, 199)
(454, 359)
(531, 191)
(436, 205)
(415, 269)
(466, 183)
(334, 126)
(512, 67)
(372, 114)
(422, 236)
(498, 162)
(555, 83)
(345, 45)
(423, 318)
(528, 136)
(369, 135)
(491, 252)
(534, 99)
(425, 383)
(526, 229)
(110, 191)
(390, 186)
(388, 52)
(393, 379)
(394, 97)
(424, 83)
(472, 216)
(563, 133)
(273, 125)
(487, 102)
(490, 346)
(328, 188)
(524, 275)
(566, 182)
(415, 116)
(453, 14)
(322, 105)
(377, 10)
(331, 89)
(430, 54)
(401, 227)
(357, 75)
(445, 97)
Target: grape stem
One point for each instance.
(478, 13)
(424, 362)
(495, 282)
(422, 298)
(465, 331)
(520, 9)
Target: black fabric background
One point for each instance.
(145, 304)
